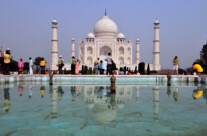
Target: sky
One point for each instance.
(25, 26)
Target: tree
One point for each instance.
(13, 65)
(203, 59)
(148, 69)
(37, 63)
(204, 51)
(142, 68)
(26, 66)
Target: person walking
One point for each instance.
(77, 66)
(73, 63)
(42, 65)
(60, 64)
(104, 66)
(21, 66)
(109, 64)
(101, 70)
(96, 66)
(7, 61)
(175, 63)
(30, 66)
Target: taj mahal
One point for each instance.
(106, 38)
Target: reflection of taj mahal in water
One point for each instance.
(103, 104)
(106, 39)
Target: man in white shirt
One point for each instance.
(30, 66)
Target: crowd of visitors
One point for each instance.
(103, 67)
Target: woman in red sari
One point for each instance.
(77, 67)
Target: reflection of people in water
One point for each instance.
(175, 94)
(77, 90)
(42, 91)
(205, 94)
(30, 92)
(100, 92)
(197, 93)
(21, 90)
(60, 93)
(6, 100)
(111, 99)
(168, 91)
(73, 93)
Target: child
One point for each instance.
(21, 66)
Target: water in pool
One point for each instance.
(92, 110)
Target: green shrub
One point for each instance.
(90, 70)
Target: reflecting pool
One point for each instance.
(93, 110)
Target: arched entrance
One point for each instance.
(104, 52)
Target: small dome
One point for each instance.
(156, 21)
(90, 35)
(137, 39)
(121, 35)
(105, 27)
(73, 39)
(54, 21)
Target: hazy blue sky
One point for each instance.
(25, 26)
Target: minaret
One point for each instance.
(73, 47)
(156, 50)
(54, 45)
(137, 57)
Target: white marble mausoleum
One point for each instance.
(106, 38)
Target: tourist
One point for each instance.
(60, 64)
(96, 66)
(42, 91)
(21, 66)
(175, 63)
(121, 72)
(114, 69)
(73, 63)
(77, 66)
(7, 103)
(100, 68)
(7, 61)
(109, 64)
(30, 66)
(42, 65)
(104, 66)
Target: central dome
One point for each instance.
(106, 27)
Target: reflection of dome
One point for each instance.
(120, 35)
(90, 35)
(120, 106)
(105, 27)
(103, 114)
(90, 105)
